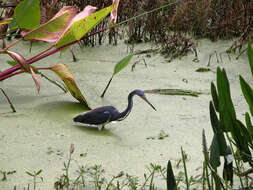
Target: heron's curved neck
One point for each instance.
(126, 112)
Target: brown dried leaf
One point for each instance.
(22, 62)
(68, 78)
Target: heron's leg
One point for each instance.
(100, 127)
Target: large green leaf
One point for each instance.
(81, 25)
(52, 30)
(250, 55)
(247, 92)
(241, 138)
(215, 97)
(171, 181)
(226, 107)
(215, 152)
(217, 130)
(27, 14)
(249, 126)
(117, 68)
(13, 25)
(122, 64)
(69, 80)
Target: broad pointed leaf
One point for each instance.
(247, 92)
(215, 97)
(27, 14)
(241, 138)
(53, 29)
(226, 107)
(171, 181)
(68, 78)
(215, 152)
(122, 64)
(249, 126)
(82, 24)
(217, 130)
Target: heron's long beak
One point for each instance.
(144, 98)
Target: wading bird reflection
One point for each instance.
(103, 115)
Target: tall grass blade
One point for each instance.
(185, 169)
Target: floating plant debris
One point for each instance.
(179, 92)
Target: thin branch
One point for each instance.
(54, 82)
(11, 105)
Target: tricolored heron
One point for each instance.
(103, 115)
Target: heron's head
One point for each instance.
(142, 95)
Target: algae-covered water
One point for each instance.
(39, 135)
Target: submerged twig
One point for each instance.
(11, 105)
(102, 95)
(54, 82)
(179, 92)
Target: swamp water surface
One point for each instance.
(44, 122)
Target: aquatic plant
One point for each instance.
(63, 30)
(117, 68)
(229, 133)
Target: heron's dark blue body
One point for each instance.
(106, 114)
(98, 116)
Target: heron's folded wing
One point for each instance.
(95, 117)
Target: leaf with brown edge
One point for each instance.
(82, 24)
(22, 62)
(69, 80)
(114, 12)
(53, 29)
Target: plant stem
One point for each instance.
(236, 161)
(54, 82)
(34, 182)
(11, 105)
(102, 95)
(185, 170)
(67, 171)
(145, 182)
(43, 52)
(110, 183)
(13, 43)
